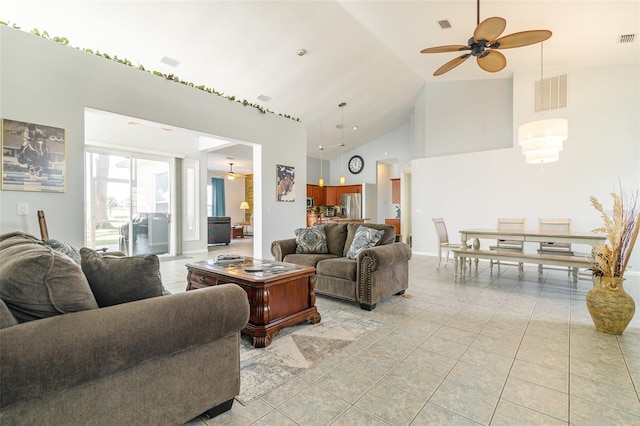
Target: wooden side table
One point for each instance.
(237, 231)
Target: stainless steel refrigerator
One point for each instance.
(351, 205)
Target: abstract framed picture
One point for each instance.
(285, 183)
(33, 157)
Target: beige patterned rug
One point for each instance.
(295, 349)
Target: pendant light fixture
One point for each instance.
(342, 179)
(321, 180)
(541, 140)
(321, 148)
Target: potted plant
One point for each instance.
(611, 308)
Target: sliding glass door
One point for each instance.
(128, 203)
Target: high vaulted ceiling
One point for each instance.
(364, 53)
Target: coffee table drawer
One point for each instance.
(197, 279)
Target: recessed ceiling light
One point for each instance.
(166, 129)
(301, 52)
(170, 61)
(133, 123)
(355, 127)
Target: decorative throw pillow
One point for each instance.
(311, 240)
(63, 248)
(116, 279)
(38, 282)
(365, 238)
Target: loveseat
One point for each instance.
(350, 263)
(79, 348)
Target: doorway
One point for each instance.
(128, 202)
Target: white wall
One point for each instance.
(465, 116)
(313, 171)
(47, 83)
(474, 189)
(395, 146)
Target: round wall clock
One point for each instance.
(356, 164)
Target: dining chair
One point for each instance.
(443, 241)
(554, 226)
(509, 224)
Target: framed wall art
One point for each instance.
(33, 157)
(285, 183)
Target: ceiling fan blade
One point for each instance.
(492, 62)
(449, 48)
(451, 64)
(523, 38)
(489, 29)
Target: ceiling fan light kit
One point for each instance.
(231, 175)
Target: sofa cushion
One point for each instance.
(311, 240)
(37, 282)
(364, 238)
(339, 267)
(6, 317)
(13, 238)
(64, 248)
(388, 237)
(116, 279)
(336, 236)
(307, 259)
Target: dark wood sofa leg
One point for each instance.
(367, 307)
(219, 409)
(400, 293)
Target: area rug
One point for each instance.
(296, 349)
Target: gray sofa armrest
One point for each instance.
(379, 257)
(51, 354)
(382, 271)
(281, 248)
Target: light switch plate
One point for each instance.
(22, 209)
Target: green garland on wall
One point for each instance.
(171, 77)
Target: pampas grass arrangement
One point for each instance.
(611, 258)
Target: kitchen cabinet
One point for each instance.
(332, 196)
(395, 191)
(318, 194)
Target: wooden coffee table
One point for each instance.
(280, 294)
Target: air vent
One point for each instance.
(264, 98)
(550, 93)
(627, 38)
(170, 61)
(444, 24)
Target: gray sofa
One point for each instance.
(160, 360)
(375, 274)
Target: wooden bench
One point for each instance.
(575, 262)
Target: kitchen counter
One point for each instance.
(340, 220)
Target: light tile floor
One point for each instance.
(493, 349)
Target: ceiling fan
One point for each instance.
(485, 42)
(231, 175)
